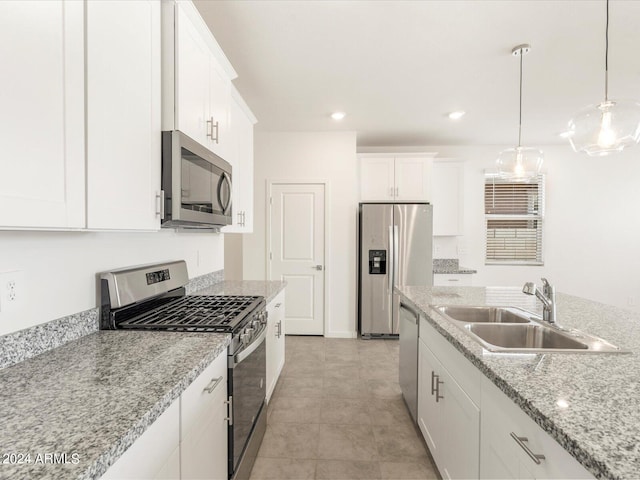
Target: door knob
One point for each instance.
(317, 267)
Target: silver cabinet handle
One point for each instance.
(317, 267)
(521, 441)
(279, 330)
(278, 305)
(391, 192)
(230, 410)
(212, 385)
(438, 383)
(210, 131)
(160, 204)
(433, 377)
(397, 191)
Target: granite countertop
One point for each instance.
(600, 426)
(266, 289)
(454, 271)
(92, 398)
(450, 266)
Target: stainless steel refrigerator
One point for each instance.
(395, 243)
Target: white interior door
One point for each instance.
(297, 224)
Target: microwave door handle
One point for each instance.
(226, 178)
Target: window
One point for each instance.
(514, 212)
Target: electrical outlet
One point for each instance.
(11, 291)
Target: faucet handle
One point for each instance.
(546, 287)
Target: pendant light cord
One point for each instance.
(520, 115)
(606, 58)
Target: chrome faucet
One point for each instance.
(547, 296)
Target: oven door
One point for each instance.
(247, 385)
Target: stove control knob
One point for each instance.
(249, 331)
(255, 324)
(245, 337)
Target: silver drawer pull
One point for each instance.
(229, 410)
(212, 385)
(433, 378)
(521, 441)
(453, 280)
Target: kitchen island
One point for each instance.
(587, 402)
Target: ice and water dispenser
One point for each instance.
(377, 262)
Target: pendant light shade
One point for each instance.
(608, 127)
(520, 163)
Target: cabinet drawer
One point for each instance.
(467, 376)
(452, 279)
(501, 418)
(196, 401)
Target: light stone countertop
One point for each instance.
(267, 289)
(601, 425)
(96, 395)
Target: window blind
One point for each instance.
(514, 213)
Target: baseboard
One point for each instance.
(344, 334)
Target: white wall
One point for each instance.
(592, 236)
(59, 268)
(301, 157)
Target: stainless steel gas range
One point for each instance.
(153, 297)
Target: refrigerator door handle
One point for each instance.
(395, 254)
(391, 260)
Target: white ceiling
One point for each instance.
(398, 67)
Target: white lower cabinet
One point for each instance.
(452, 279)
(472, 429)
(189, 440)
(512, 443)
(155, 454)
(447, 417)
(275, 342)
(203, 428)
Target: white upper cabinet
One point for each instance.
(123, 114)
(42, 116)
(242, 121)
(395, 177)
(197, 80)
(447, 197)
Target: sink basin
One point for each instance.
(486, 314)
(514, 330)
(526, 337)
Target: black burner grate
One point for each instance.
(196, 314)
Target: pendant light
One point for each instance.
(520, 163)
(609, 127)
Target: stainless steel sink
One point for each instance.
(525, 336)
(513, 330)
(486, 314)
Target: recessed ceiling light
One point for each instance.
(456, 115)
(338, 115)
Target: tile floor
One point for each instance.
(337, 413)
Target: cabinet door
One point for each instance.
(242, 175)
(412, 179)
(429, 411)
(42, 115)
(221, 140)
(275, 342)
(447, 197)
(153, 455)
(203, 425)
(461, 430)
(376, 179)
(123, 114)
(191, 79)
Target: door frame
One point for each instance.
(327, 222)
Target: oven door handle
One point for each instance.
(239, 357)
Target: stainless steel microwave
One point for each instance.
(196, 184)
